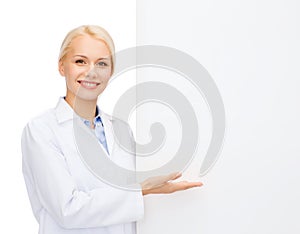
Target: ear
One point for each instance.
(61, 68)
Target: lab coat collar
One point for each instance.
(64, 112)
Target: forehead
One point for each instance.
(88, 46)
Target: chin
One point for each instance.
(91, 96)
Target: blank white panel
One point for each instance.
(251, 49)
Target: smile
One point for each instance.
(88, 84)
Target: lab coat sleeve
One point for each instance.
(57, 191)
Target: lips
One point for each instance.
(88, 84)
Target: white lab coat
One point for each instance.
(66, 198)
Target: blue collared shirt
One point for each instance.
(99, 128)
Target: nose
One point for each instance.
(91, 73)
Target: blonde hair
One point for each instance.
(94, 31)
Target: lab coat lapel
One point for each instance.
(108, 128)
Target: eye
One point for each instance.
(102, 64)
(80, 61)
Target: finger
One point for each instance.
(158, 181)
(188, 185)
(165, 178)
(171, 187)
(184, 185)
(178, 175)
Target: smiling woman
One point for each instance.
(86, 61)
(66, 197)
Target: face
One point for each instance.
(86, 67)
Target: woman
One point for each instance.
(65, 196)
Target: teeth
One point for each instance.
(88, 84)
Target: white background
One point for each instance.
(31, 34)
(251, 49)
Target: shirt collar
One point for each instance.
(97, 118)
(65, 112)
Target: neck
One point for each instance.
(84, 108)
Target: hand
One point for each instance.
(163, 184)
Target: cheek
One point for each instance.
(75, 72)
(104, 74)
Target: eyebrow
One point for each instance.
(79, 55)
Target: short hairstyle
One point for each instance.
(94, 31)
